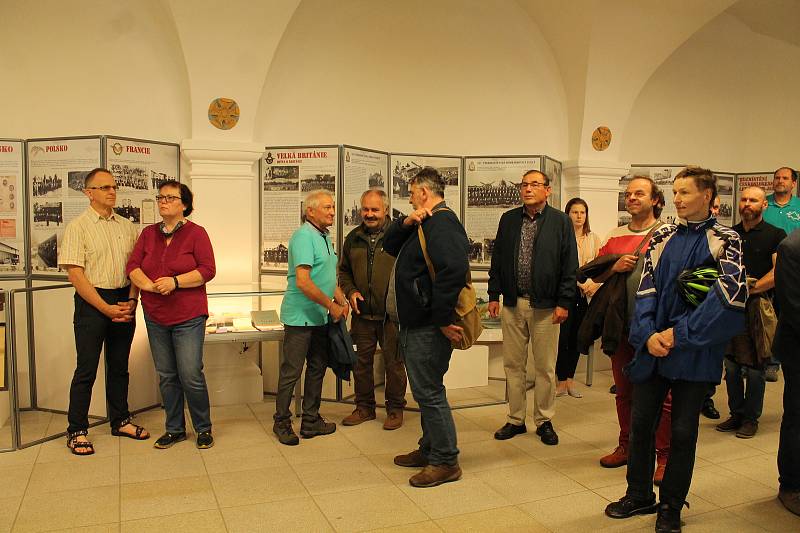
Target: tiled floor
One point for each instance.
(347, 482)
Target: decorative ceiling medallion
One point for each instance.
(601, 138)
(223, 113)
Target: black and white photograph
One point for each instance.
(500, 193)
(316, 182)
(281, 178)
(9, 256)
(158, 178)
(129, 177)
(405, 166)
(276, 255)
(126, 208)
(48, 214)
(47, 185)
(352, 215)
(76, 181)
(376, 181)
(47, 251)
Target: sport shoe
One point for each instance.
(358, 416)
(319, 427)
(394, 419)
(627, 507)
(509, 430)
(547, 433)
(285, 433)
(790, 500)
(435, 475)
(668, 520)
(731, 424)
(771, 373)
(414, 459)
(617, 458)
(205, 440)
(748, 430)
(168, 439)
(658, 476)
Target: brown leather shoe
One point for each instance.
(414, 459)
(658, 476)
(358, 416)
(393, 420)
(434, 475)
(617, 458)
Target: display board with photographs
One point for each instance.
(12, 212)
(405, 166)
(552, 170)
(139, 168)
(56, 172)
(288, 174)
(754, 179)
(727, 197)
(362, 169)
(662, 175)
(492, 189)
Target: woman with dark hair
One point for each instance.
(171, 264)
(588, 246)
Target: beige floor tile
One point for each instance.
(714, 522)
(581, 512)
(99, 528)
(529, 482)
(370, 438)
(324, 448)
(239, 434)
(164, 497)
(567, 446)
(367, 509)
(500, 411)
(470, 494)
(761, 468)
(15, 479)
(396, 474)
(488, 455)
(603, 435)
(222, 414)
(340, 475)
(489, 423)
(197, 522)
(301, 514)
(613, 493)
(68, 509)
(218, 460)
(469, 431)
(724, 488)
(257, 486)
(23, 457)
(105, 446)
(420, 527)
(63, 475)
(494, 520)
(8, 512)
(182, 460)
(718, 447)
(586, 470)
(768, 513)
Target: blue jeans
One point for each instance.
(178, 356)
(427, 355)
(744, 404)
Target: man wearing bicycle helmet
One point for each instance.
(678, 347)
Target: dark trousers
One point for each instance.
(309, 345)
(427, 355)
(744, 403)
(648, 401)
(367, 334)
(93, 331)
(568, 353)
(789, 447)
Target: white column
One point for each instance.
(597, 182)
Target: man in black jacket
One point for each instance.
(425, 310)
(534, 264)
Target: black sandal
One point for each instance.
(79, 447)
(135, 436)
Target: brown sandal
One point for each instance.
(135, 436)
(78, 447)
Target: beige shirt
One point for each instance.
(101, 246)
(588, 247)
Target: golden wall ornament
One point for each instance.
(601, 138)
(223, 113)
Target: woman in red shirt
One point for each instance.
(171, 264)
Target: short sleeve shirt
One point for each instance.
(758, 245)
(101, 246)
(786, 217)
(311, 247)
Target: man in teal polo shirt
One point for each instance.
(783, 210)
(311, 294)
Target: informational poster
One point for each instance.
(12, 217)
(288, 174)
(363, 169)
(405, 166)
(56, 172)
(492, 189)
(139, 168)
(727, 197)
(552, 170)
(753, 179)
(662, 176)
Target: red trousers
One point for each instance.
(619, 360)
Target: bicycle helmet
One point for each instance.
(694, 284)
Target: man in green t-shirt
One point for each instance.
(311, 294)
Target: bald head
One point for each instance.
(752, 202)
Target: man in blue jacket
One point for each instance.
(425, 310)
(679, 347)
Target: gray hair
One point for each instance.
(379, 193)
(431, 179)
(314, 197)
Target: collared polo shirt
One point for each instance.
(787, 217)
(101, 246)
(758, 245)
(311, 247)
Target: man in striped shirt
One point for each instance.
(94, 251)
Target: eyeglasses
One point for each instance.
(169, 198)
(104, 188)
(532, 184)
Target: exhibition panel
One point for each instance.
(405, 166)
(362, 169)
(12, 209)
(726, 192)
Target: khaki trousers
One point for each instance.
(523, 325)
